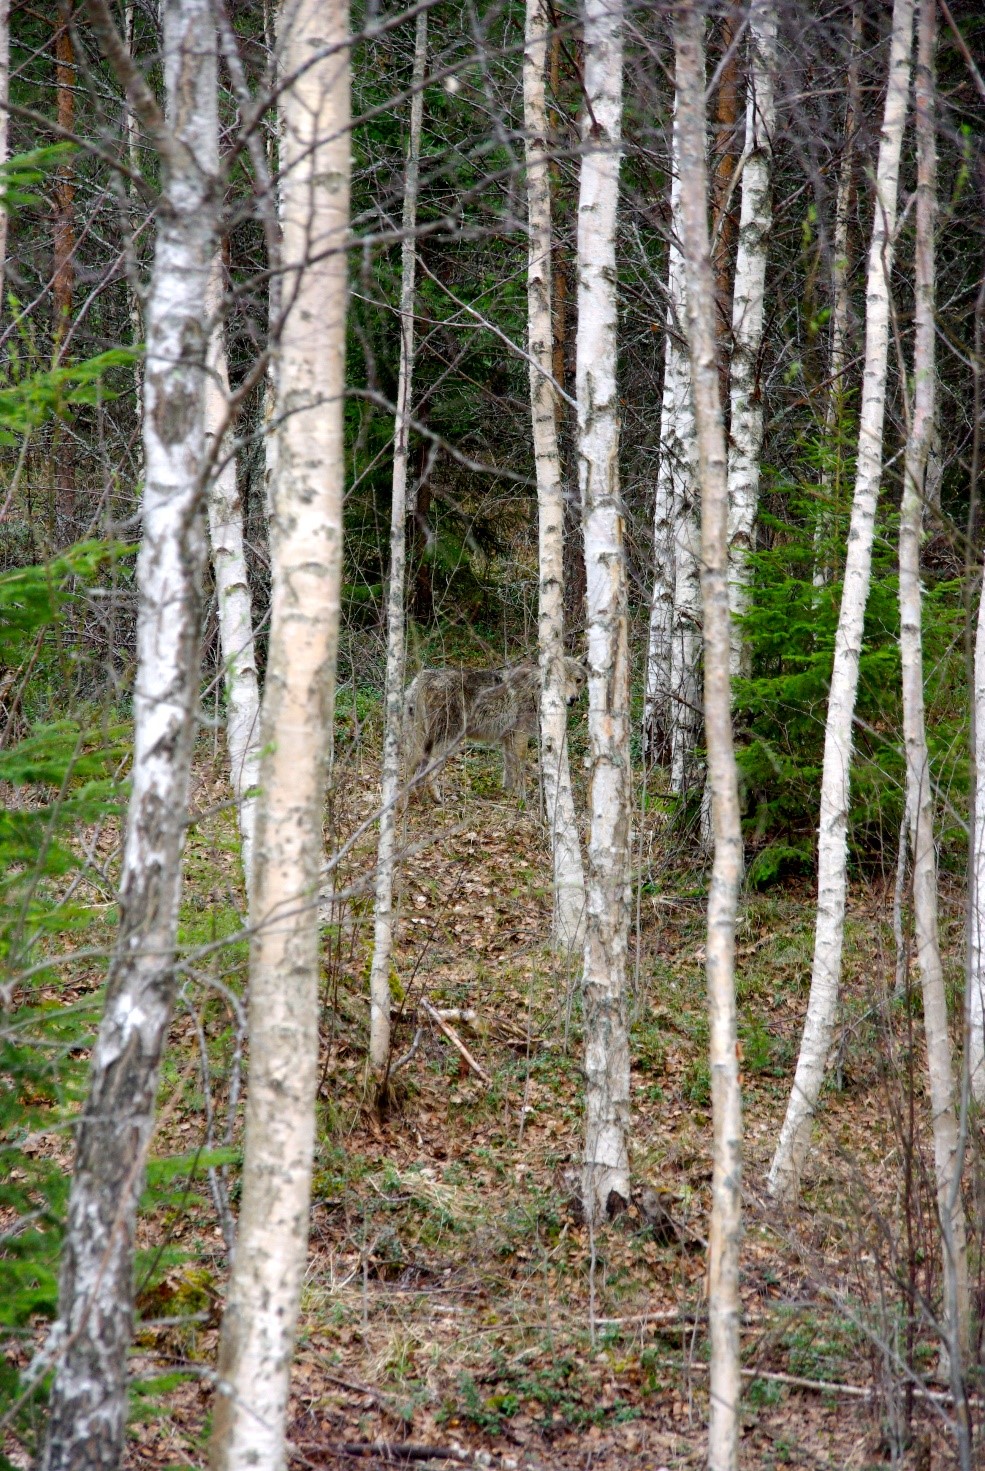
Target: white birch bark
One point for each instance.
(232, 587)
(88, 1406)
(784, 1176)
(679, 447)
(606, 1169)
(379, 976)
(675, 477)
(726, 1209)
(569, 877)
(132, 131)
(685, 675)
(306, 557)
(748, 301)
(840, 308)
(4, 129)
(275, 293)
(975, 980)
(975, 988)
(947, 1156)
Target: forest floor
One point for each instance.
(454, 1299)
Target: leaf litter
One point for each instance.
(446, 1303)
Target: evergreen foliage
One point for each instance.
(57, 781)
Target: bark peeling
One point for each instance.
(606, 1165)
(87, 1417)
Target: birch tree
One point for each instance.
(4, 128)
(678, 440)
(63, 469)
(89, 1395)
(748, 301)
(379, 978)
(662, 719)
(784, 1175)
(724, 148)
(975, 988)
(947, 1153)
(726, 1209)
(306, 558)
(840, 310)
(975, 982)
(569, 878)
(606, 1169)
(232, 587)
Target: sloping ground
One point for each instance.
(454, 1299)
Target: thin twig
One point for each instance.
(395, 1451)
(455, 1040)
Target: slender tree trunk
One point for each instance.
(569, 879)
(232, 587)
(272, 211)
(679, 446)
(379, 977)
(563, 337)
(975, 980)
(840, 311)
(746, 413)
(784, 1176)
(89, 1396)
(726, 1209)
(606, 1175)
(674, 490)
(306, 556)
(947, 1156)
(132, 131)
(63, 283)
(975, 988)
(4, 129)
(63, 268)
(722, 184)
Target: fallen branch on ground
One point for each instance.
(395, 1451)
(455, 1040)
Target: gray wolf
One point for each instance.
(443, 708)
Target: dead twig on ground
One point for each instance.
(454, 1039)
(392, 1451)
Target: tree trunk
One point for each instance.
(232, 586)
(379, 977)
(722, 186)
(975, 998)
(678, 440)
(63, 284)
(4, 128)
(275, 292)
(678, 494)
(674, 490)
(840, 309)
(563, 327)
(606, 1172)
(63, 267)
(306, 558)
(726, 1208)
(746, 412)
(132, 131)
(569, 879)
(784, 1176)
(975, 982)
(89, 1396)
(947, 1154)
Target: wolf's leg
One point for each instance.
(428, 774)
(515, 746)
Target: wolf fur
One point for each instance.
(495, 707)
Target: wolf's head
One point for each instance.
(575, 679)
